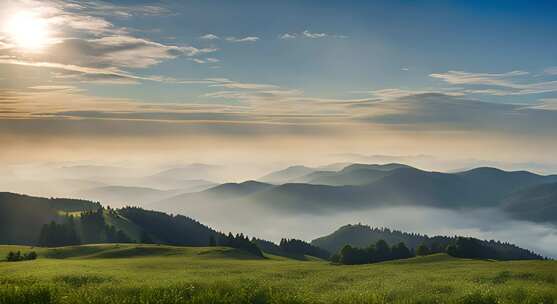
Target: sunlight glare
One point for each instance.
(27, 31)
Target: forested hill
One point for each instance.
(22, 216)
(56, 222)
(363, 236)
(62, 222)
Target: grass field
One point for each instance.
(165, 274)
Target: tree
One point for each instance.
(30, 256)
(382, 251)
(377, 252)
(471, 248)
(212, 241)
(400, 251)
(422, 250)
(300, 247)
(93, 226)
(452, 251)
(56, 235)
(11, 256)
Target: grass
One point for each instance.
(164, 274)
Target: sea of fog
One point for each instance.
(480, 223)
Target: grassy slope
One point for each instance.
(165, 274)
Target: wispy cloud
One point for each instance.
(102, 8)
(460, 77)
(230, 84)
(395, 93)
(545, 104)
(124, 51)
(59, 88)
(310, 35)
(551, 71)
(91, 74)
(244, 39)
(85, 46)
(500, 84)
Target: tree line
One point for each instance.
(92, 228)
(462, 247)
(18, 256)
(239, 241)
(362, 235)
(378, 252)
(295, 246)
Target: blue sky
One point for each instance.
(388, 44)
(403, 75)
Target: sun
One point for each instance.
(27, 31)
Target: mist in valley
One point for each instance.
(174, 187)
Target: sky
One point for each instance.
(289, 81)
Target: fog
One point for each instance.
(480, 223)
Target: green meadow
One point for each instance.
(164, 274)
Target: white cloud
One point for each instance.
(311, 35)
(213, 60)
(209, 37)
(288, 36)
(245, 39)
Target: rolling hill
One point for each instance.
(363, 236)
(140, 273)
(22, 216)
(137, 224)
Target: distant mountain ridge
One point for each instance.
(364, 186)
(287, 175)
(537, 203)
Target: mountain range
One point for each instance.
(363, 186)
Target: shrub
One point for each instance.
(17, 256)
